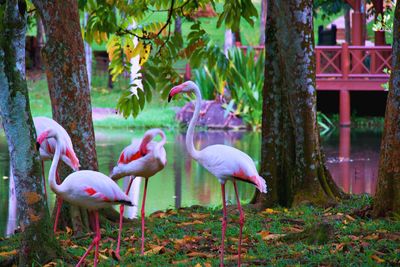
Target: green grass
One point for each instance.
(157, 113)
(191, 236)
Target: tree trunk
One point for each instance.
(38, 244)
(387, 198)
(67, 78)
(263, 20)
(292, 160)
(40, 42)
(88, 54)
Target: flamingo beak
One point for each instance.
(175, 90)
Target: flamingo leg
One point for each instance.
(44, 181)
(97, 238)
(121, 216)
(224, 222)
(59, 204)
(95, 241)
(241, 222)
(142, 214)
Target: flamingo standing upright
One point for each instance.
(47, 149)
(88, 189)
(224, 162)
(142, 158)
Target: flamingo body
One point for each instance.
(47, 147)
(229, 163)
(91, 190)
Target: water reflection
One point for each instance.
(352, 157)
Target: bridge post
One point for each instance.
(344, 100)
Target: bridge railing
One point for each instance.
(346, 61)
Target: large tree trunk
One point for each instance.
(263, 20)
(67, 78)
(38, 244)
(292, 160)
(387, 198)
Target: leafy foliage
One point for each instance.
(111, 21)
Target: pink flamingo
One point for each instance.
(88, 189)
(142, 158)
(47, 148)
(224, 162)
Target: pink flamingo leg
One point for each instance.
(44, 181)
(241, 222)
(95, 241)
(224, 218)
(121, 216)
(96, 253)
(59, 204)
(142, 213)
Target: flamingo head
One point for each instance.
(71, 159)
(185, 87)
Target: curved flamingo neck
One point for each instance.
(54, 164)
(193, 152)
(159, 146)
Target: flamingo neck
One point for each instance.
(159, 146)
(53, 168)
(193, 152)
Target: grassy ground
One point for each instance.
(156, 114)
(336, 236)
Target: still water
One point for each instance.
(352, 157)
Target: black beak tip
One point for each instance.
(169, 98)
(37, 146)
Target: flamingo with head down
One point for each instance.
(224, 162)
(47, 149)
(143, 158)
(88, 189)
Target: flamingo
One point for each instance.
(224, 162)
(143, 158)
(47, 149)
(88, 189)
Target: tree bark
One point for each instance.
(263, 20)
(38, 244)
(292, 160)
(387, 198)
(67, 78)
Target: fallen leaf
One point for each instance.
(266, 235)
(104, 257)
(8, 253)
(372, 237)
(190, 223)
(198, 265)
(350, 218)
(199, 215)
(338, 247)
(69, 230)
(181, 261)
(158, 214)
(377, 259)
(270, 211)
(200, 254)
(155, 250)
(293, 229)
(50, 264)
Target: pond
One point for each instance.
(352, 157)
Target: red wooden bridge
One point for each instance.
(349, 68)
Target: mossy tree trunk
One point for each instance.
(65, 63)
(291, 158)
(38, 244)
(387, 198)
